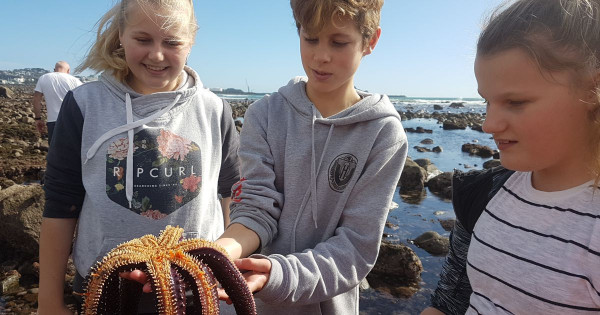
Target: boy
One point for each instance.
(317, 220)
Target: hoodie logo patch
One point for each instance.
(166, 172)
(341, 170)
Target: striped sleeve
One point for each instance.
(454, 290)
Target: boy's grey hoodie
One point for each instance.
(317, 192)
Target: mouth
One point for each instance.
(504, 144)
(154, 68)
(321, 75)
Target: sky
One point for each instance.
(426, 49)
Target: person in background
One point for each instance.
(320, 161)
(527, 235)
(143, 147)
(52, 87)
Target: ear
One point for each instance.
(594, 91)
(372, 42)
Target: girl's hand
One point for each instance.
(256, 272)
(139, 276)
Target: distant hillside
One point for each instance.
(30, 76)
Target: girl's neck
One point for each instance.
(332, 102)
(564, 177)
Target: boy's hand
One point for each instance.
(256, 272)
(139, 276)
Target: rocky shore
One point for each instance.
(22, 164)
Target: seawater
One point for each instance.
(413, 217)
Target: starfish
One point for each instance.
(173, 265)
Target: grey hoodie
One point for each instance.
(317, 192)
(139, 163)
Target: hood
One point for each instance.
(146, 104)
(370, 107)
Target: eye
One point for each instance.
(174, 43)
(311, 40)
(143, 40)
(516, 102)
(339, 43)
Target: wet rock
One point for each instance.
(418, 130)
(477, 149)
(454, 125)
(437, 149)
(421, 149)
(413, 177)
(433, 243)
(457, 105)
(427, 141)
(438, 107)
(399, 262)
(441, 185)
(491, 163)
(430, 168)
(448, 224)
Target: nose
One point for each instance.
(322, 54)
(156, 53)
(494, 121)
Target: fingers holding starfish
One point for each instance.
(139, 276)
(256, 272)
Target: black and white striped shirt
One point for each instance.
(535, 252)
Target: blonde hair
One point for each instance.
(107, 54)
(314, 15)
(559, 35)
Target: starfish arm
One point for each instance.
(229, 276)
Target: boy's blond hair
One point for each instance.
(559, 35)
(107, 54)
(314, 15)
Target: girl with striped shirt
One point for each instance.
(527, 241)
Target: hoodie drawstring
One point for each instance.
(129, 128)
(315, 168)
(129, 176)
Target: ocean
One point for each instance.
(413, 217)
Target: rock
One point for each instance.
(477, 149)
(427, 141)
(430, 168)
(457, 105)
(433, 243)
(439, 213)
(418, 130)
(399, 262)
(9, 282)
(413, 177)
(491, 163)
(437, 149)
(6, 92)
(437, 107)
(452, 125)
(5, 183)
(448, 224)
(441, 185)
(21, 210)
(421, 149)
